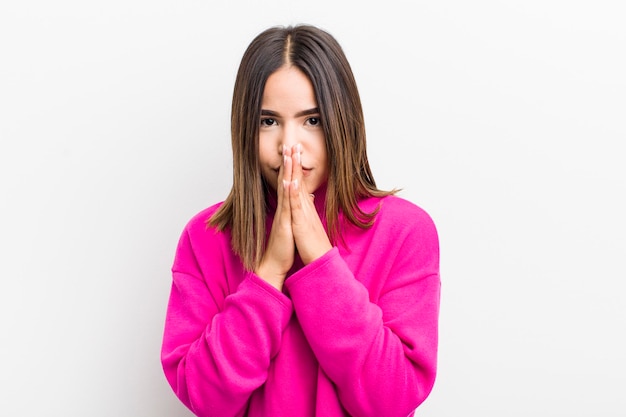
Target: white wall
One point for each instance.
(503, 119)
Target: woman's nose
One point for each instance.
(289, 138)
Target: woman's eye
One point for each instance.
(268, 122)
(314, 121)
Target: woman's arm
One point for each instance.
(217, 346)
(381, 355)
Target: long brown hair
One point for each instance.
(318, 55)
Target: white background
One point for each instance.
(505, 120)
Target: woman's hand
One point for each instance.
(280, 251)
(296, 224)
(308, 232)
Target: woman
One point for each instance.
(308, 291)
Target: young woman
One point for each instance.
(308, 291)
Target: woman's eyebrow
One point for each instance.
(307, 112)
(314, 110)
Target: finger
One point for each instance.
(308, 232)
(280, 189)
(301, 203)
(287, 165)
(279, 181)
(284, 196)
(296, 156)
(298, 191)
(284, 179)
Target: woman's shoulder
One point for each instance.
(199, 222)
(394, 207)
(200, 245)
(396, 212)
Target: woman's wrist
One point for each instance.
(271, 276)
(316, 253)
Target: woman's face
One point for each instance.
(290, 116)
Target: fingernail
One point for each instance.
(299, 150)
(285, 184)
(295, 184)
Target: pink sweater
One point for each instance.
(353, 333)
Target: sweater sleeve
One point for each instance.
(381, 354)
(217, 345)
